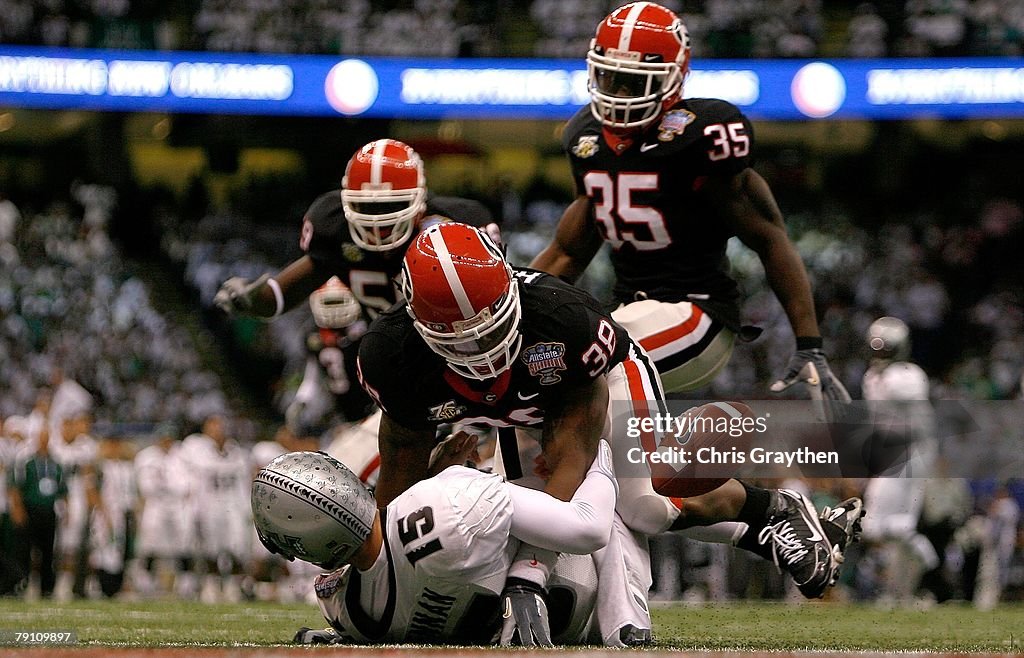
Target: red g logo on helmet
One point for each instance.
(383, 193)
(464, 299)
(636, 65)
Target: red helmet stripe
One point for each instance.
(629, 23)
(444, 259)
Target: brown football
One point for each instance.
(717, 434)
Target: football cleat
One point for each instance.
(842, 526)
(797, 542)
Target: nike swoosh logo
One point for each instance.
(526, 397)
(508, 609)
(647, 147)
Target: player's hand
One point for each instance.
(456, 450)
(238, 295)
(316, 636)
(811, 368)
(525, 615)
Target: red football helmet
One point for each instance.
(383, 193)
(636, 65)
(333, 305)
(464, 299)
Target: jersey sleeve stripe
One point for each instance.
(639, 394)
(686, 332)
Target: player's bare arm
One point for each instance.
(572, 430)
(574, 244)
(404, 456)
(748, 205)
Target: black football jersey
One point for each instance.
(371, 274)
(335, 353)
(567, 341)
(666, 240)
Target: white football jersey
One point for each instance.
(220, 476)
(441, 569)
(895, 381)
(898, 397)
(163, 476)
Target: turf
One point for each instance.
(739, 626)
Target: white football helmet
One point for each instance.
(383, 194)
(889, 338)
(333, 305)
(310, 506)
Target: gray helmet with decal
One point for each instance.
(310, 506)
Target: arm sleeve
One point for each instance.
(310, 381)
(580, 526)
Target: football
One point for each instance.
(700, 453)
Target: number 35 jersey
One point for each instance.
(667, 241)
(440, 571)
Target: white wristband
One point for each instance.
(278, 296)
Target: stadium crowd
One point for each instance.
(543, 28)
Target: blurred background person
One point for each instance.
(903, 427)
(221, 472)
(113, 521)
(36, 484)
(77, 452)
(166, 540)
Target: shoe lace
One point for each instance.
(785, 543)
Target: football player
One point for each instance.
(903, 421)
(167, 524)
(666, 181)
(429, 567)
(480, 341)
(357, 233)
(221, 473)
(331, 357)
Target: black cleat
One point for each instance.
(797, 542)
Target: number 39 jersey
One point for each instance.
(440, 571)
(568, 341)
(666, 238)
(327, 240)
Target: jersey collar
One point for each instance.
(489, 395)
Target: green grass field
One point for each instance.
(740, 626)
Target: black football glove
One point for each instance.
(811, 367)
(238, 295)
(525, 615)
(316, 636)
